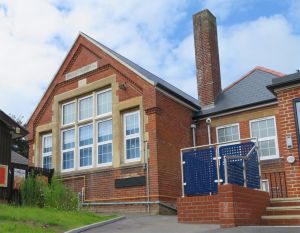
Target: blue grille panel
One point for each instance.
(235, 166)
(199, 172)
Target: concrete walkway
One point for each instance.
(166, 224)
(152, 224)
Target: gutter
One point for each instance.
(235, 109)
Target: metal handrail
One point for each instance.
(218, 144)
(244, 165)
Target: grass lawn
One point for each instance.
(36, 220)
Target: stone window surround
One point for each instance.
(119, 108)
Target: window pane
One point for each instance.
(132, 124)
(47, 162)
(68, 113)
(68, 139)
(47, 144)
(85, 108)
(263, 128)
(105, 153)
(85, 157)
(267, 148)
(68, 160)
(228, 133)
(105, 131)
(104, 103)
(132, 148)
(86, 135)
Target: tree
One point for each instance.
(20, 145)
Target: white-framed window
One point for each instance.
(85, 108)
(68, 113)
(132, 144)
(265, 130)
(86, 146)
(47, 151)
(104, 142)
(265, 186)
(228, 133)
(104, 102)
(68, 150)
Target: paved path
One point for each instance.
(168, 224)
(152, 224)
(258, 230)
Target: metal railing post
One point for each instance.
(182, 177)
(218, 165)
(244, 173)
(225, 170)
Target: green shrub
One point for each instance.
(35, 192)
(60, 197)
(32, 191)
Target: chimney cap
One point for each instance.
(204, 13)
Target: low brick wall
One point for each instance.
(232, 206)
(198, 209)
(241, 206)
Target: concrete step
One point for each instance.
(283, 212)
(277, 202)
(281, 220)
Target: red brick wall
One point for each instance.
(232, 206)
(174, 133)
(100, 185)
(198, 209)
(287, 125)
(241, 206)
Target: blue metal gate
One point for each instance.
(200, 175)
(199, 172)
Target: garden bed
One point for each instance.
(46, 220)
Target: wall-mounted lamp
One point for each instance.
(289, 141)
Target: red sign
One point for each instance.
(3, 175)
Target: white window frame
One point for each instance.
(68, 150)
(96, 110)
(267, 182)
(267, 138)
(62, 113)
(78, 108)
(86, 146)
(103, 143)
(226, 126)
(136, 135)
(47, 153)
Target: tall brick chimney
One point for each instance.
(207, 58)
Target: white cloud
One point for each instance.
(268, 42)
(35, 35)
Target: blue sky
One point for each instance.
(36, 35)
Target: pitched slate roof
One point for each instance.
(146, 74)
(17, 158)
(250, 90)
(285, 81)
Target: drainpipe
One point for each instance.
(193, 127)
(147, 176)
(208, 123)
